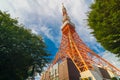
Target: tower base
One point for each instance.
(97, 74)
(66, 70)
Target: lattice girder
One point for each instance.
(74, 48)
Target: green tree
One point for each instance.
(114, 78)
(104, 19)
(21, 52)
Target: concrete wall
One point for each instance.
(73, 71)
(104, 73)
(65, 70)
(111, 73)
(54, 71)
(89, 73)
(96, 74)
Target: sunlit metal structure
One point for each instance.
(74, 48)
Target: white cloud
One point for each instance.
(37, 77)
(111, 58)
(45, 11)
(45, 17)
(47, 32)
(46, 14)
(34, 32)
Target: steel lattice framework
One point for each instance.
(74, 48)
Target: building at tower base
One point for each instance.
(96, 74)
(75, 60)
(66, 70)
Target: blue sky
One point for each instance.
(44, 17)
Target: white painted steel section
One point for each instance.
(67, 22)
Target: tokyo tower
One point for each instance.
(84, 59)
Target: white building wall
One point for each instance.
(89, 73)
(54, 70)
(111, 73)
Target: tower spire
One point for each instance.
(89, 64)
(65, 15)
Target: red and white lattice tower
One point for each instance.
(74, 48)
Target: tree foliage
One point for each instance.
(114, 78)
(20, 50)
(104, 19)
